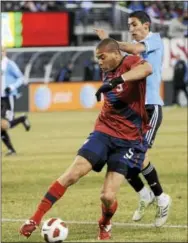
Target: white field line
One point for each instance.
(114, 223)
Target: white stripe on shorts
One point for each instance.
(10, 113)
(153, 124)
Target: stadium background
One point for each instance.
(42, 37)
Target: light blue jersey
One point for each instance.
(154, 56)
(11, 77)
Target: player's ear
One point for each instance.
(146, 25)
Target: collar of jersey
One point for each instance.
(149, 34)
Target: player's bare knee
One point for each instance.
(107, 197)
(4, 124)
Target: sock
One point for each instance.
(151, 176)
(107, 213)
(136, 183)
(6, 139)
(162, 199)
(54, 193)
(17, 121)
(144, 193)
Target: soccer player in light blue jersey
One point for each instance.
(11, 79)
(150, 46)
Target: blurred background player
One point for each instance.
(64, 75)
(92, 70)
(6, 124)
(11, 80)
(119, 148)
(179, 79)
(150, 46)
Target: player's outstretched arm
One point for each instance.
(131, 48)
(139, 72)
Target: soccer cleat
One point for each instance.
(104, 232)
(143, 204)
(10, 153)
(27, 228)
(163, 212)
(26, 123)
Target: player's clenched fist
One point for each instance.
(108, 86)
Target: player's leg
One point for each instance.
(5, 137)
(175, 91)
(185, 89)
(150, 174)
(163, 200)
(5, 126)
(121, 163)
(111, 185)
(19, 120)
(89, 156)
(146, 196)
(78, 169)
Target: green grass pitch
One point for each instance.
(49, 148)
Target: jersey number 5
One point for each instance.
(129, 154)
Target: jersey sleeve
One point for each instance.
(152, 43)
(19, 77)
(133, 61)
(15, 70)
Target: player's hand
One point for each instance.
(108, 87)
(8, 90)
(102, 34)
(103, 89)
(115, 81)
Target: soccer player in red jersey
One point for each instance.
(149, 46)
(117, 140)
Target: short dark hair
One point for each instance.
(109, 44)
(141, 15)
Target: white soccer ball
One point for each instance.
(54, 230)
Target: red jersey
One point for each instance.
(123, 114)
